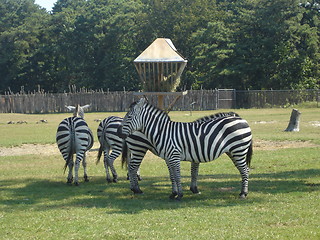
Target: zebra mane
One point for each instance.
(216, 116)
(149, 105)
(200, 120)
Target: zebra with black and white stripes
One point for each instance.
(196, 142)
(74, 137)
(135, 146)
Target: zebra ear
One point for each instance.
(146, 98)
(141, 102)
(70, 108)
(86, 106)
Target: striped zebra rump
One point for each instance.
(65, 139)
(74, 137)
(107, 137)
(110, 141)
(213, 138)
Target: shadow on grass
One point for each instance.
(220, 190)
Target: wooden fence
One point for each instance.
(40, 102)
(275, 98)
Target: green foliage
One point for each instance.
(255, 44)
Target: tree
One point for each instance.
(20, 33)
(213, 50)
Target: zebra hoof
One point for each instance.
(179, 197)
(243, 195)
(86, 179)
(109, 180)
(194, 190)
(139, 178)
(115, 180)
(173, 195)
(76, 183)
(137, 191)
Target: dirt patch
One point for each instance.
(274, 145)
(52, 149)
(38, 149)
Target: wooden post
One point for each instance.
(160, 101)
(293, 125)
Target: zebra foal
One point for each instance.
(74, 137)
(196, 142)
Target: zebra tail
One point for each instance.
(72, 143)
(99, 154)
(249, 155)
(124, 156)
(67, 162)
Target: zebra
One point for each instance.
(137, 144)
(74, 137)
(138, 151)
(109, 140)
(196, 142)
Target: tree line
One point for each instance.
(241, 44)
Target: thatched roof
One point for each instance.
(161, 50)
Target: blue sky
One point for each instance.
(48, 4)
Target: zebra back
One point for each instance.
(216, 116)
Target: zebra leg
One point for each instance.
(174, 170)
(110, 160)
(106, 165)
(194, 177)
(84, 164)
(70, 176)
(133, 167)
(77, 166)
(242, 167)
(138, 174)
(138, 160)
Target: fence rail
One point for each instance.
(40, 102)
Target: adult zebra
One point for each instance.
(135, 146)
(74, 137)
(137, 153)
(195, 142)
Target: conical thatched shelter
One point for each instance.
(159, 67)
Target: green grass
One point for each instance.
(283, 200)
(276, 120)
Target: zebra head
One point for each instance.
(78, 111)
(133, 119)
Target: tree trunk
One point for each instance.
(294, 121)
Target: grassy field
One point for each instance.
(283, 200)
